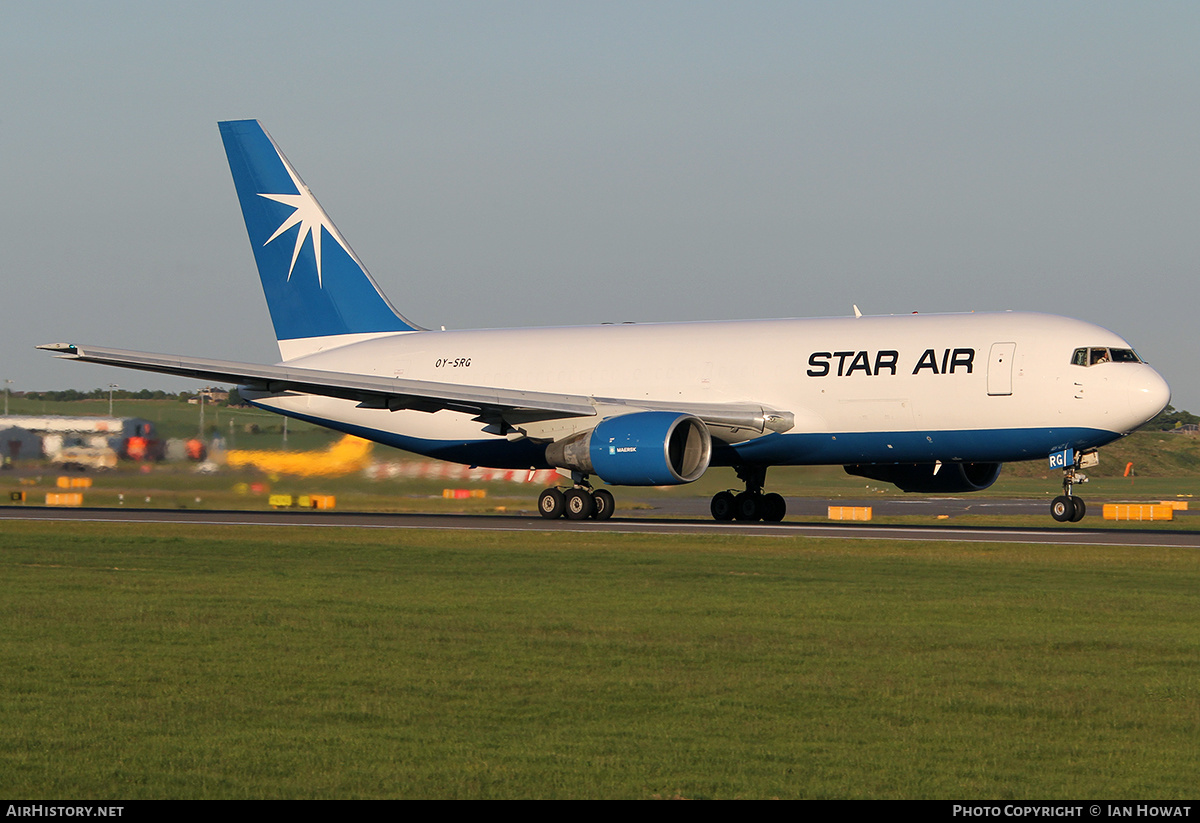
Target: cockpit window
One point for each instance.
(1095, 355)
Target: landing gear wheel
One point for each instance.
(578, 504)
(1067, 507)
(748, 506)
(1062, 508)
(604, 504)
(722, 506)
(773, 508)
(550, 504)
(1080, 509)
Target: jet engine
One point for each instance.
(919, 477)
(639, 449)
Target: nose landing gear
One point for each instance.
(1067, 508)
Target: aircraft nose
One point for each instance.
(1149, 394)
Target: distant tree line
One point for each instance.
(1171, 418)
(69, 395)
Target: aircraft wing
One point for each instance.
(502, 407)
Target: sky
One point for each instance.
(511, 163)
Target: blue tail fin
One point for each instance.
(316, 286)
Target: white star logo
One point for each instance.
(310, 217)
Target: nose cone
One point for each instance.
(1148, 395)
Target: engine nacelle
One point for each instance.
(919, 477)
(639, 449)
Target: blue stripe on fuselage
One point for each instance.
(802, 449)
(970, 446)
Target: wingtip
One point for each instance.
(61, 348)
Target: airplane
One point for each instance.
(932, 403)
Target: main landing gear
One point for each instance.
(578, 503)
(1067, 507)
(751, 504)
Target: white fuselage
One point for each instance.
(970, 387)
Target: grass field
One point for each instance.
(149, 661)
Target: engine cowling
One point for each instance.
(919, 477)
(639, 449)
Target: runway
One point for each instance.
(1051, 535)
